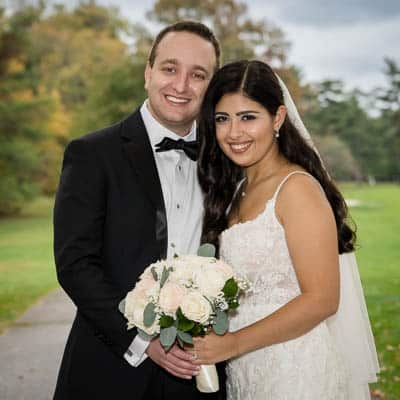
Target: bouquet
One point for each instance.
(183, 297)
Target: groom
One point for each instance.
(129, 196)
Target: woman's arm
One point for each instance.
(310, 231)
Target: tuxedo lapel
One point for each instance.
(140, 154)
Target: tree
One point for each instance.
(240, 36)
(340, 114)
(24, 111)
(388, 124)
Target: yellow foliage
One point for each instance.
(15, 66)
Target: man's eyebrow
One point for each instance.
(170, 61)
(174, 61)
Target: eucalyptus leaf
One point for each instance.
(154, 273)
(145, 335)
(185, 337)
(164, 276)
(220, 325)
(168, 336)
(121, 306)
(206, 250)
(149, 314)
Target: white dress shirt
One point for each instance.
(183, 204)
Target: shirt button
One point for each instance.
(178, 206)
(179, 167)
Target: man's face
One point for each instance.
(183, 67)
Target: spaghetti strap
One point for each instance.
(278, 189)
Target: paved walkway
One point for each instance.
(31, 349)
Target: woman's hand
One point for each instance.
(213, 348)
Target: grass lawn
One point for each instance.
(26, 260)
(378, 221)
(27, 268)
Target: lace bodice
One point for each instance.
(306, 368)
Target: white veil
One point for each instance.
(350, 326)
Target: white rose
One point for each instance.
(135, 304)
(196, 307)
(170, 297)
(210, 280)
(181, 274)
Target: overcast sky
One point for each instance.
(330, 39)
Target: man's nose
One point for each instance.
(181, 82)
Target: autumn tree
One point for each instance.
(240, 36)
(24, 111)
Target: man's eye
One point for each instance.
(198, 76)
(169, 69)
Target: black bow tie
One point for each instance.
(190, 148)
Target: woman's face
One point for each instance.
(245, 129)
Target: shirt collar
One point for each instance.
(157, 132)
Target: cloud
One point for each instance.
(353, 53)
(320, 13)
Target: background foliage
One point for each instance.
(67, 71)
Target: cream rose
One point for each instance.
(196, 307)
(134, 309)
(170, 297)
(225, 268)
(210, 280)
(147, 286)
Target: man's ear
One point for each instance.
(147, 74)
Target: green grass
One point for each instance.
(27, 268)
(26, 261)
(378, 222)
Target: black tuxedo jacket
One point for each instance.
(109, 224)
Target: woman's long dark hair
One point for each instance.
(219, 176)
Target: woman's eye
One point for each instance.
(220, 118)
(248, 117)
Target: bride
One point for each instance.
(276, 216)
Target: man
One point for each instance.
(125, 201)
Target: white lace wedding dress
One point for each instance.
(309, 367)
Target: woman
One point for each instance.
(277, 217)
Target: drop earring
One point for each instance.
(276, 131)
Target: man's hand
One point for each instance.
(176, 361)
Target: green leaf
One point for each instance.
(220, 325)
(185, 337)
(166, 321)
(185, 325)
(206, 250)
(145, 335)
(197, 330)
(154, 273)
(164, 277)
(121, 306)
(230, 288)
(168, 336)
(149, 315)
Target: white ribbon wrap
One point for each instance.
(207, 379)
